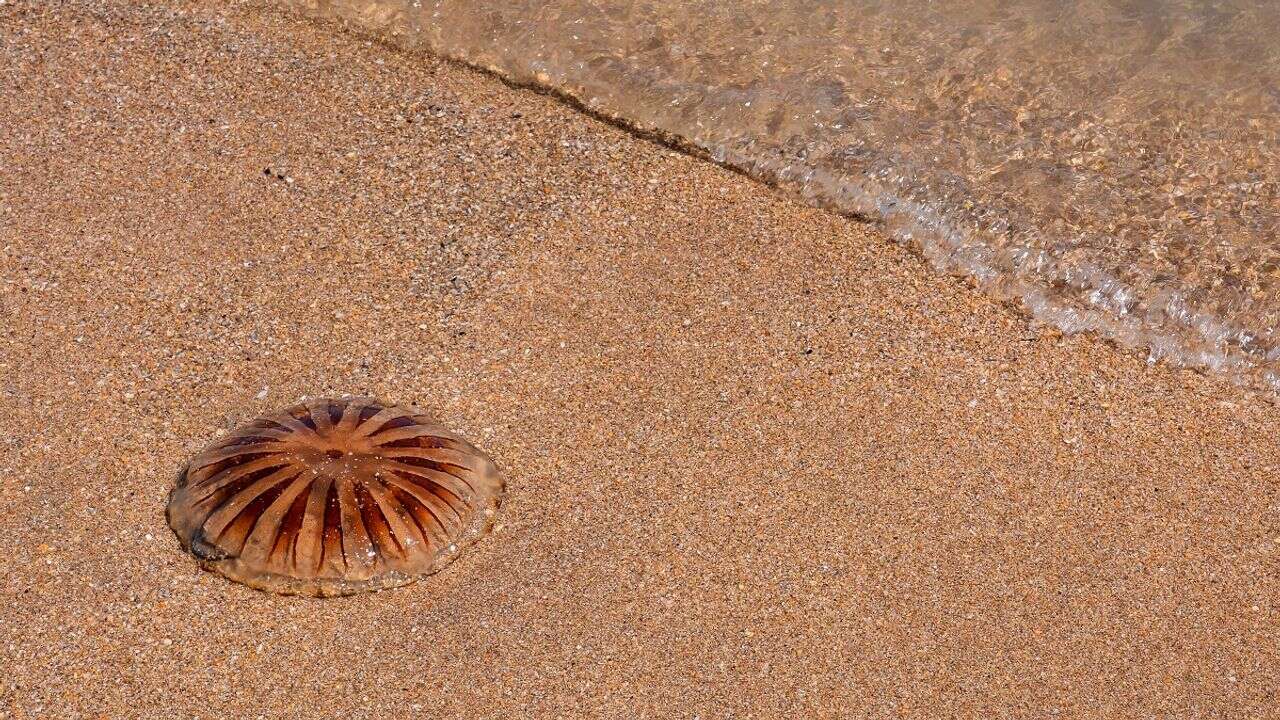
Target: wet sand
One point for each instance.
(759, 459)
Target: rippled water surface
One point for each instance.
(1111, 163)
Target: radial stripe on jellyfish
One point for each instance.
(334, 497)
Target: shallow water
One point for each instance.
(1113, 164)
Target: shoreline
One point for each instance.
(759, 458)
(1170, 326)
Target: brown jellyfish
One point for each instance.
(334, 497)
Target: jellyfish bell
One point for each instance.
(334, 497)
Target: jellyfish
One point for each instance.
(334, 497)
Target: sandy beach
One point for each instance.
(760, 461)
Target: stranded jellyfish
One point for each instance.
(334, 497)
